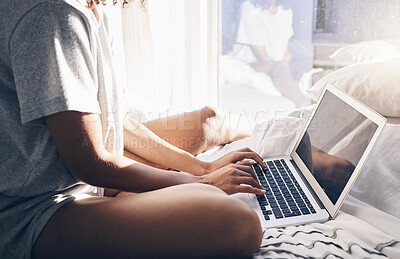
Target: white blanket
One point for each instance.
(368, 225)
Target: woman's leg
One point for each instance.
(196, 131)
(284, 81)
(187, 221)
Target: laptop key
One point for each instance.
(274, 205)
(261, 198)
(276, 211)
(263, 203)
(304, 211)
(296, 213)
(275, 190)
(281, 202)
(301, 205)
(284, 206)
(278, 216)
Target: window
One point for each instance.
(321, 16)
(171, 55)
(272, 51)
(255, 58)
(265, 60)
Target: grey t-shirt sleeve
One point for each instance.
(53, 56)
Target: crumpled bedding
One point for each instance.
(368, 224)
(352, 234)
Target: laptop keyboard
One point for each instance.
(284, 196)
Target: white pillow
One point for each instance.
(374, 83)
(364, 51)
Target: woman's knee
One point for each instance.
(246, 234)
(223, 224)
(234, 225)
(209, 112)
(212, 116)
(199, 190)
(214, 124)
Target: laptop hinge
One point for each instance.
(307, 184)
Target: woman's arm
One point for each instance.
(142, 142)
(78, 138)
(260, 53)
(264, 62)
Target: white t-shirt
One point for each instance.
(257, 26)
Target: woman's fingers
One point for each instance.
(249, 181)
(246, 169)
(234, 178)
(257, 158)
(246, 161)
(238, 156)
(246, 175)
(249, 189)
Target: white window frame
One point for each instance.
(204, 52)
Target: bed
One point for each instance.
(247, 92)
(368, 224)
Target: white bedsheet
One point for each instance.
(368, 225)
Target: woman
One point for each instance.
(263, 34)
(63, 131)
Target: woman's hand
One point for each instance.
(234, 157)
(235, 178)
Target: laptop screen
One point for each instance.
(334, 142)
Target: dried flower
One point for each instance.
(91, 3)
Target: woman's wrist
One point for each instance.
(201, 167)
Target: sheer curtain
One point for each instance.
(170, 55)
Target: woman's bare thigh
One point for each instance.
(180, 221)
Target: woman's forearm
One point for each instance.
(121, 173)
(142, 142)
(93, 164)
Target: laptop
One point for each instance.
(311, 183)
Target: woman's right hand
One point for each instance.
(237, 156)
(234, 178)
